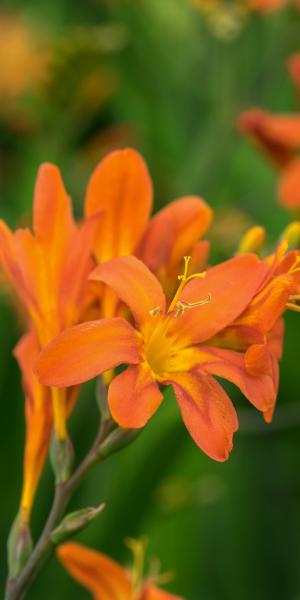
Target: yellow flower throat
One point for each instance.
(167, 351)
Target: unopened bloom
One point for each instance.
(168, 345)
(48, 268)
(278, 135)
(106, 579)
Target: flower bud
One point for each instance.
(74, 522)
(101, 397)
(118, 439)
(291, 234)
(252, 240)
(61, 457)
(19, 545)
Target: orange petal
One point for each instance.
(228, 364)
(278, 135)
(133, 397)
(101, 575)
(38, 419)
(269, 305)
(86, 350)
(122, 188)
(275, 339)
(258, 360)
(173, 232)
(268, 414)
(133, 283)
(207, 412)
(77, 267)
(231, 284)
(289, 185)
(52, 211)
(10, 265)
(151, 592)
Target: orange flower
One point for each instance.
(266, 6)
(167, 346)
(258, 331)
(106, 579)
(48, 268)
(278, 135)
(121, 188)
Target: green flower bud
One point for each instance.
(74, 522)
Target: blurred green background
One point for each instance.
(78, 79)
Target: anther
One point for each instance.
(155, 311)
(183, 306)
(183, 281)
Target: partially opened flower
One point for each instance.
(48, 268)
(106, 579)
(259, 330)
(121, 188)
(168, 345)
(278, 135)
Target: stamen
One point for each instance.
(182, 306)
(296, 266)
(155, 311)
(138, 548)
(292, 306)
(183, 281)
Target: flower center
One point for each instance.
(166, 351)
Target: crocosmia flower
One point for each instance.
(169, 344)
(121, 189)
(258, 331)
(48, 268)
(278, 135)
(106, 579)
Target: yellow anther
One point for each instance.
(155, 311)
(183, 281)
(252, 240)
(292, 306)
(296, 266)
(138, 549)
(182, 306)
(291, 234)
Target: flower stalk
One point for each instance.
(109, 439)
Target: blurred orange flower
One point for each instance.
(278, 135)
(266, 6)
(105, 578)
(21, 58)
(167, 346)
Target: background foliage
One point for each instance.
(99, 74)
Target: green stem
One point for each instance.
(107, 441)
